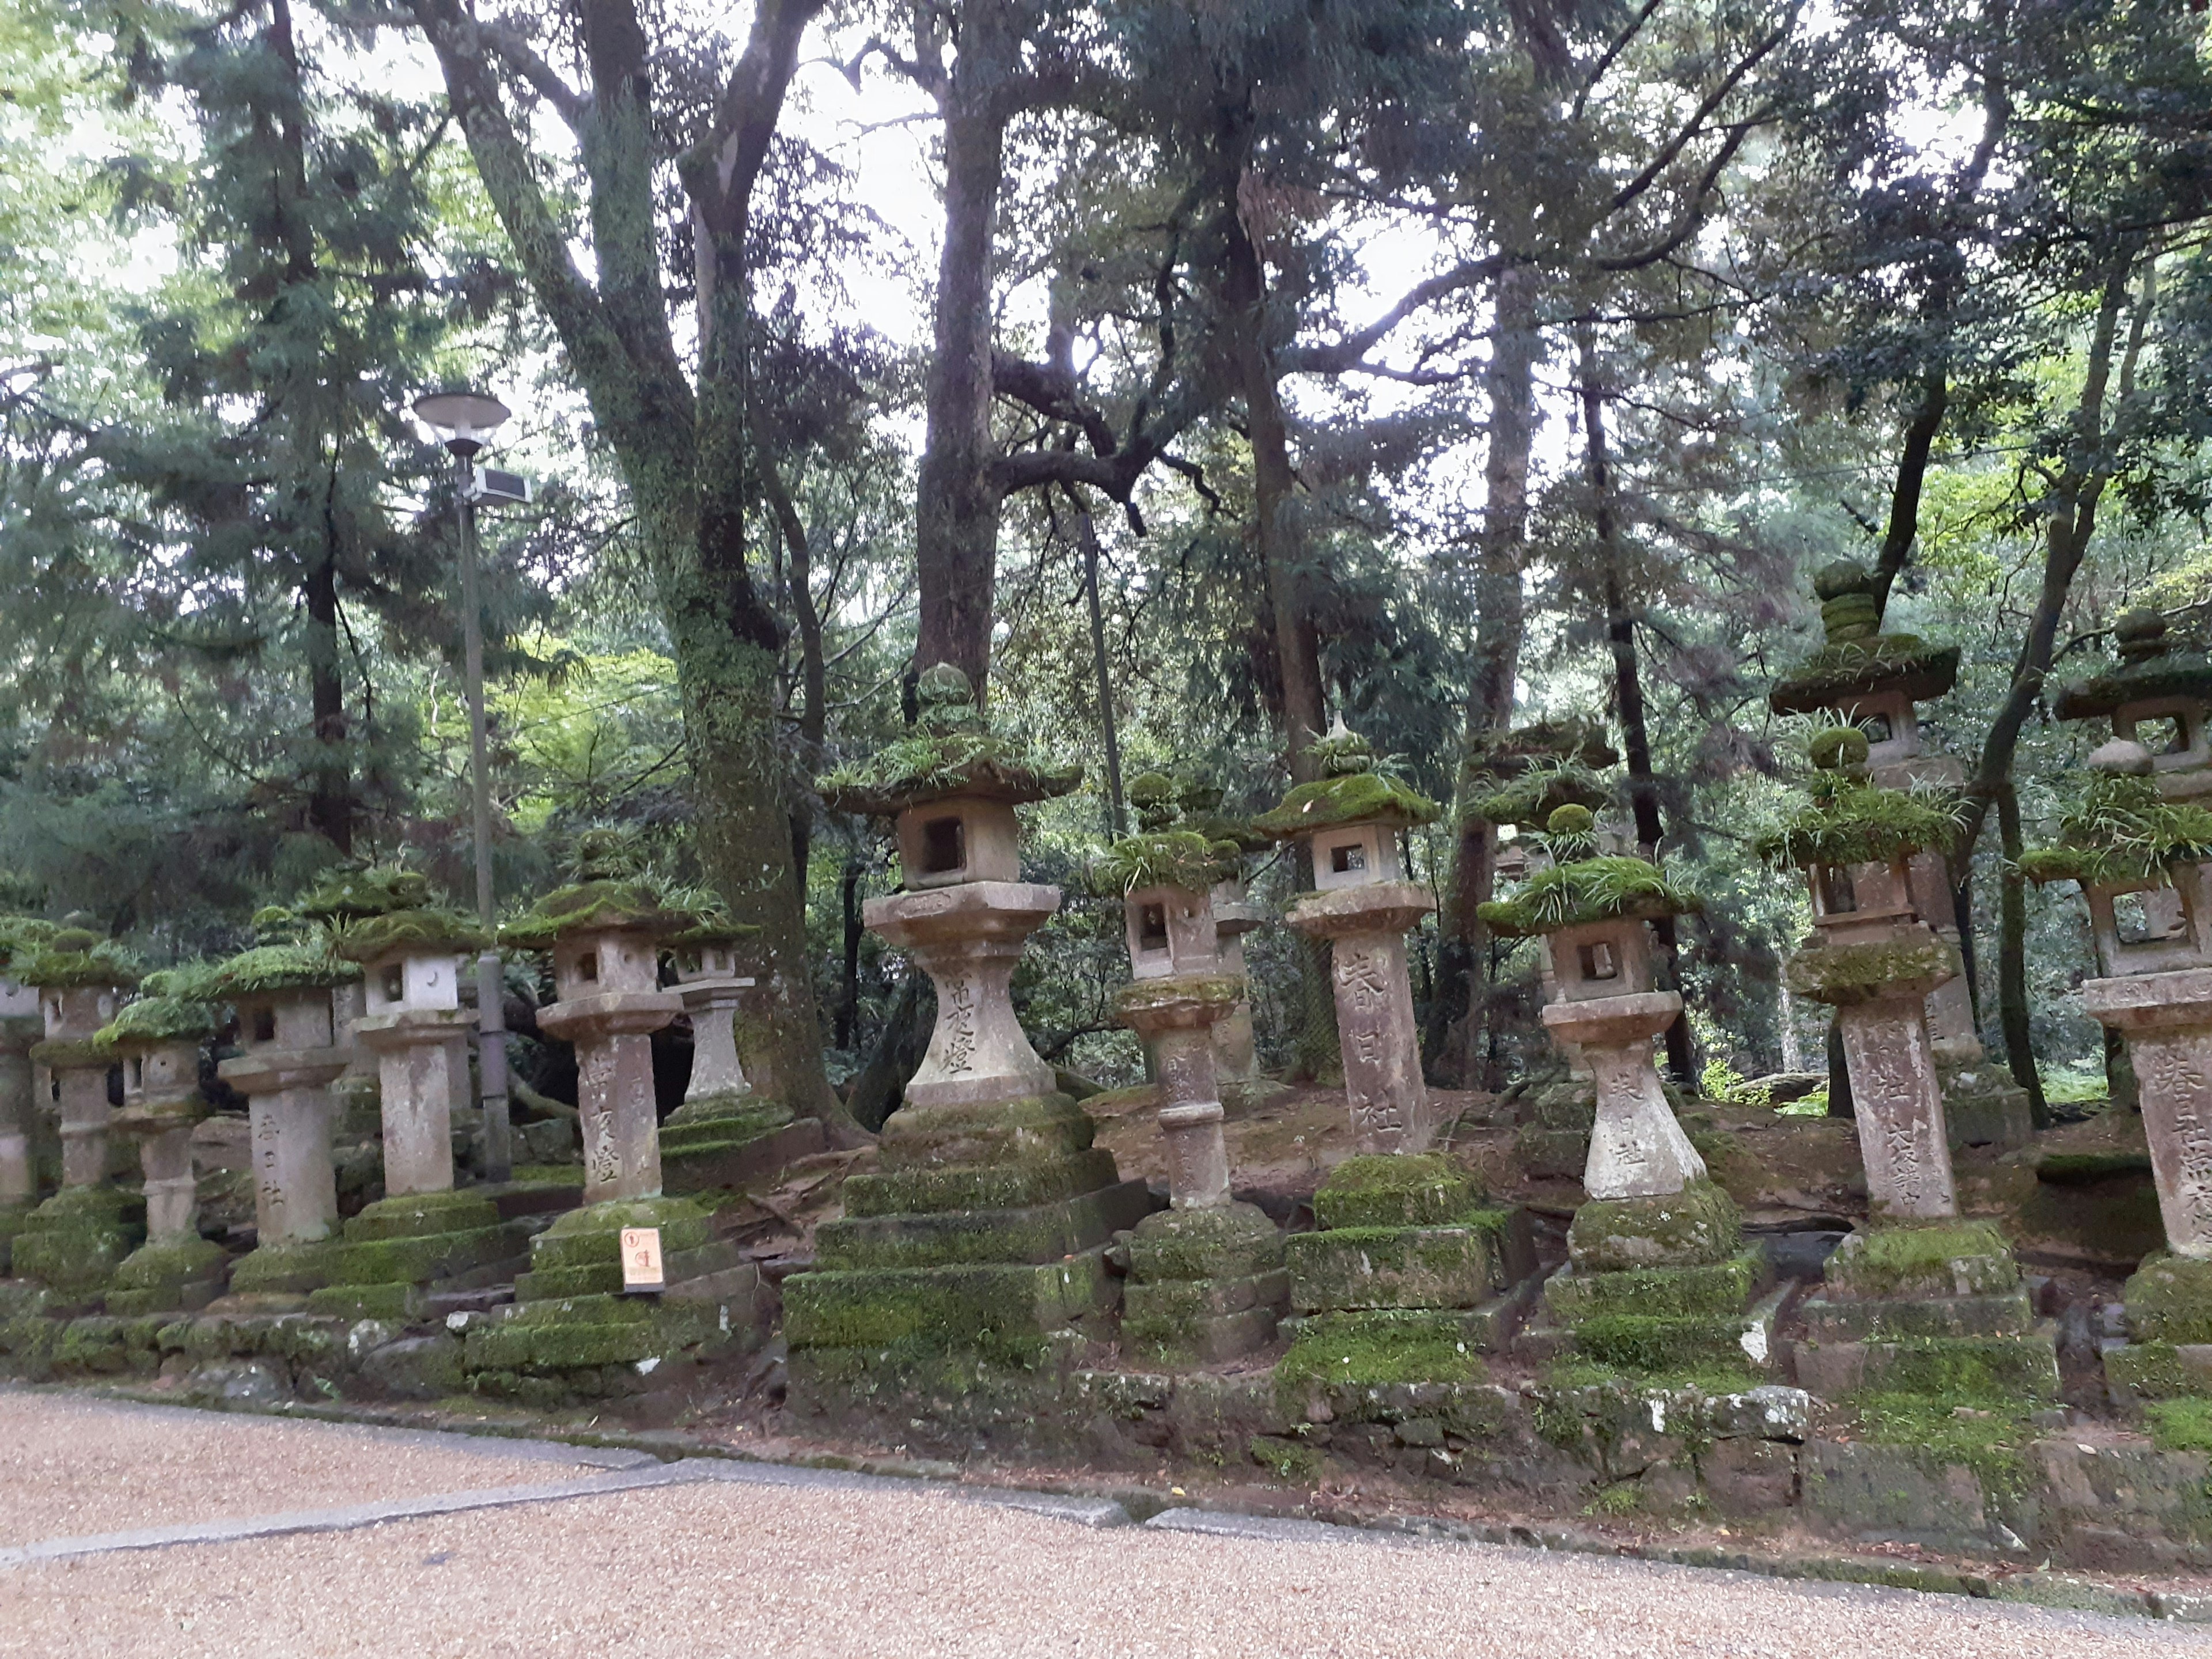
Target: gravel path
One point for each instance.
(715, 1569)
(70, 1465)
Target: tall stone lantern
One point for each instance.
(1875, 681)
(289, 1055)
(726, 1133)
(1874, 960)
(983, 1236)
(1348, 821)
(1657, 1273)
(22, 1025)
(158, 1041)
(73, 1242)
(1206, 1274)
(424, 1233)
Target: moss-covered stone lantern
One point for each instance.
(1349, 820)
(73, 1242)
(1876, 682)
(1918, 1281)
(1657, 1274)
(289, 1055)
(158, 1041)
(424, 1234)
(21, 1024)
(1206, 1279)
(605, 932)
(982, 1237)
(726, 1133)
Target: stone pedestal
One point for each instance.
(1638, 1150)
(295, 1198)
(1366, 927)
(1205, 1278)
(983, 1233)
(21, 1026)
(73, 1242)
(175, 1269)
(725, 1134)
(612, 1033)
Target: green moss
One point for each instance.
(1729, 1375)
(1721, 1287)
(1285, 1459)
(1165, 858)
(378, 890)
(272, 967)
(2180, 1426)
(1842, 670)
(2169, 1299)
(21, 937)
(74, 958)
(1541, 789)
(1838, 974)
(597, 905)
(2120, 829)
(1988, 1432)
(367, 939)
(1570, 895)
(1396, 1266)
(2086, 1168)
(1424, 1189)
(1232, 1240)
(1950, 1258)
(1850, 820)
(1358, 1350)
(1144, 995)
(1648, 1345)
(152, 1021)
(1354, 798)
(951, 750)
(1698, 1226)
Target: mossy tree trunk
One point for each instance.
(2012, 961)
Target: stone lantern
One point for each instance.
(984, 1232)
(22, 1025)
(1348, 821)
(1206, 1279)
(158, 1041)
(604, 933)
(1875, 681)
(1657, 1274)
(423, 1233)
(1874, 960)
(287, 1057)
(72, 1243)
(726, 1133)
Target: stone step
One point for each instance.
(1001, 1308)
(1831, 1321)
(1658, 1343)
(1040, 1233)
(2018, 1365)
(1723, 1289)
(1017, 1185)
(703, 1162)
(2157, 1371)
(1352, 1268)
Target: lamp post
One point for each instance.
(463, 421)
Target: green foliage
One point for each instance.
(21, 937)
(1351, 798)
(1589, 890)
(1165, 858)
(167, 1015)
(1721, 1081)
(269, 968)
(1850, 820)
(2119, 829)
(596, 905)
(1539, 789)
(72, 958)
(1987, 1433)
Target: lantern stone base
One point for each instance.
(289, 1269)
(580, 1255)
(731, 1140)
(1662, 1320)
(1553, 1144)
(2169, 1309)
(1983, 1107)
(1205, 1286)
(74, 1241)
(1699, 1226)
(172, 1275)
(1936, 1308)
(397, 1245)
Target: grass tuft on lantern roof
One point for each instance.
(71, 958)
(177, 1005)
(1580, 886)
(1165, 858)
(21, 937)
(2119, 829)
(951, 750)
(1351, 789)
(610, 890)
(1543, 785)
(1849, 818)
(268, 968)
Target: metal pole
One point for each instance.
(498, 1151)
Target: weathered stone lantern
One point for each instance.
(1875, 681)
(1657, 1273)
(158, 1041)
(73, 1242)
(22, 1025)
(1349, 821)
(1875, 961)
(1206, 1274)
(423, 1233)
(605, 932)
(288, 1056)
(726, 1133)
(983, 1235)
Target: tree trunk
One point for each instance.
(1086, 536)
(2012, 961)
(848, 1003)
(1628, 680)
(1462, 942)
(330, 803)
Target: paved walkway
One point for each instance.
(339, 1540)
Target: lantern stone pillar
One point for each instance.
(726, 1133)
(73, 1242)
(158, 1042)
(571, 1315)
(1205, 1276)
(1875, 961)
(1363, 906)
(1236, 1045)
(981, 1240)
(288, 1058)
(21, 1026)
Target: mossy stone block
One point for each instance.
(1717, 1288)
(400, 1300)
(420, 1215)
(1227, 1240)
(1043, 1233)
(1944, 1258)
(1845, 1320)
(1660, 1343)
(1381, 1347)
(179, 1275)
(591, 1235)
(988, 1307)
(514, 1348)
(1349, 1268)
(74, 1241)
(1699, 1226)
(1424, 1189)
(1205, 1340)
(423, 1260)
(2023, 1366)
(2169, 1299)
(285, 1268)
(1552, 1154)
(982, 1186)
(1162, 1310)
(1038, 1128)
(2159, 1371)
(721, 1118)
(605, 1277)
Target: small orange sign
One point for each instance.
(640, 1259)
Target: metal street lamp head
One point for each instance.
(462, 419)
